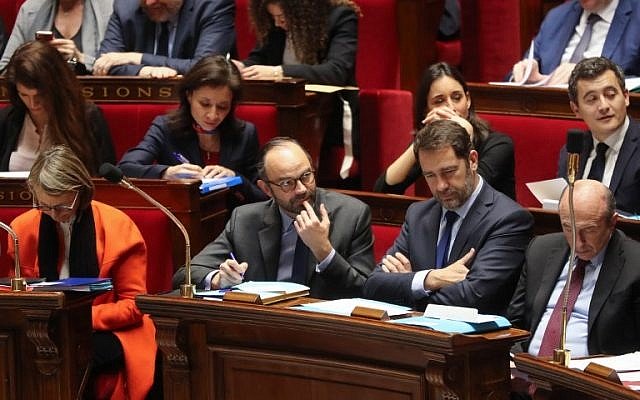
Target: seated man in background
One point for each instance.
(463, 247)
(304, 234)
(605, 318)
(163, 38)
(579, 29)
(611, 152)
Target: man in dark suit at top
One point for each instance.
(605, 318)
(580, 29)
(463, 247)
(303, 234)
(163, 38)
(611, 152)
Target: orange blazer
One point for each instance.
(122, 256)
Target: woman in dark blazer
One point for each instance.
(202, 138)
(443, 94)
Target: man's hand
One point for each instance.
(314, 231)
(520, 68)
(231, 273)
(262, 72)
(560, 75)
(217, 171)
(396, 263)
(438, 278)
(104, 63)
(157, 72)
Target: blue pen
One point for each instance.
(233, 257)
(180, 158)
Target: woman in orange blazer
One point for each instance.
(68, 234)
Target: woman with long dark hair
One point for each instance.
(444, 94)
(202, 138)
(47, 108)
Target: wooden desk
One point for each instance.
(216, 350)
(530, 101)
(204, 217)
(386, 209)
(45, 344)
(568, 384)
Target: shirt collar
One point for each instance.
(615, 140)
(607, 13)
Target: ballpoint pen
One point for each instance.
(233, 257)
(180, 158)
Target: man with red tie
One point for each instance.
(603, 305)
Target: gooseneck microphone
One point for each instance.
(575, 142)
(18, 284)
(114, 174)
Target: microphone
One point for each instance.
(114, 174)
(18, 284)
(575, 141)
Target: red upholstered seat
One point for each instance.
(8, 12)
(384, 236)
(537, 142)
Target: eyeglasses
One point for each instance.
(56, 208)
(288, 185)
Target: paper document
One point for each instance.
(14, 175)
(489, 323)
(345, 307)
(621, 363)
(327, 88)
(548, 192)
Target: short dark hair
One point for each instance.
(278, 141)
(591, 68)
(440, 134)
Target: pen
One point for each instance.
(180, 158)
(233, 257)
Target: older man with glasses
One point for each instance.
(293, 236)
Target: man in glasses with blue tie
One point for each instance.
(463, 247)
(303, 234)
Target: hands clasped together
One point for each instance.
(193, 171)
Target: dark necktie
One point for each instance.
(597, 166)
(551, 338)
(299, 270)
(443, 244)
(163, 40)
(583, 44)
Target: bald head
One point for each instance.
(594, 209)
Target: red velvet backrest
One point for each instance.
(537, 142)
(383, 238)
(386, 122)
(245, 38)
(265, 118)
(8, 12)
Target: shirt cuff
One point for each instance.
(209, 278)
(322, 265)
(417, 284)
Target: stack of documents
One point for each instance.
(345, 307)
(627, 367)
(268, 292)
(456, 320)
(75, 285)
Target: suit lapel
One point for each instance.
(430, 230)
(564, 34)
(609, 272)
(618, 26)
(470, 223)
(627, 152)
(552, 268)
(269, 238)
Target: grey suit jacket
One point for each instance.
(253, 235)
(204, 27)
(495, 226)
(614, 311)
(37, 15)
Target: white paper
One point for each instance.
(269, 286)
(549, 191)
(326, 88)
(466, 314)
(621, 363)
(14, 174)
(345, 306)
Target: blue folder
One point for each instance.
(212, 184)
(451, 326)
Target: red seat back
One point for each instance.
(384, 236)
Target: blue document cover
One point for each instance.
(75, 285)
(212, 184)
(492, 323)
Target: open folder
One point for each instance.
(263, 292)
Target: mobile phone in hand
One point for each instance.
(44, 36)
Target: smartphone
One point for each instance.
(44, 35)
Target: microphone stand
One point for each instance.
(18, 284)
(562, 355)
(187, 289)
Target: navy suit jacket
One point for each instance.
(204, 27)
(625, 181)
(253, 235)
(495, 226)
(154, 154)
(622, 45)
(614, 311)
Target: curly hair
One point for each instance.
(306, 23)
(38, 65)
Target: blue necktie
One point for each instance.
(163, 40)
(445, 239)
(299, 270)
(583, 44)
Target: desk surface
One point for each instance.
(292, 354)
